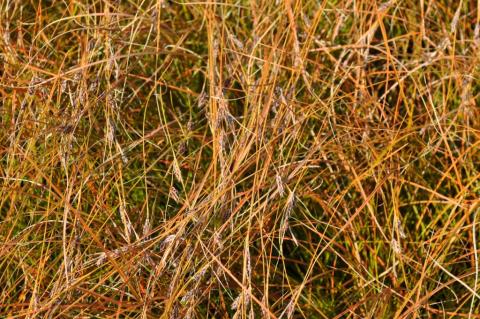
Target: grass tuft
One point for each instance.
(239, 159)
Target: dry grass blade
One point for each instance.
(239, 159)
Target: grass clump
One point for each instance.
(234, 159)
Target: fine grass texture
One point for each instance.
(239, 159)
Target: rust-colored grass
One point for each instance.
(239, 159)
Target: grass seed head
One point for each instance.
(236, 302)
(401, 231)
(290, 203)
(396, 247)
(279, 182)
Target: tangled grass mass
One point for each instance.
(239, 159)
